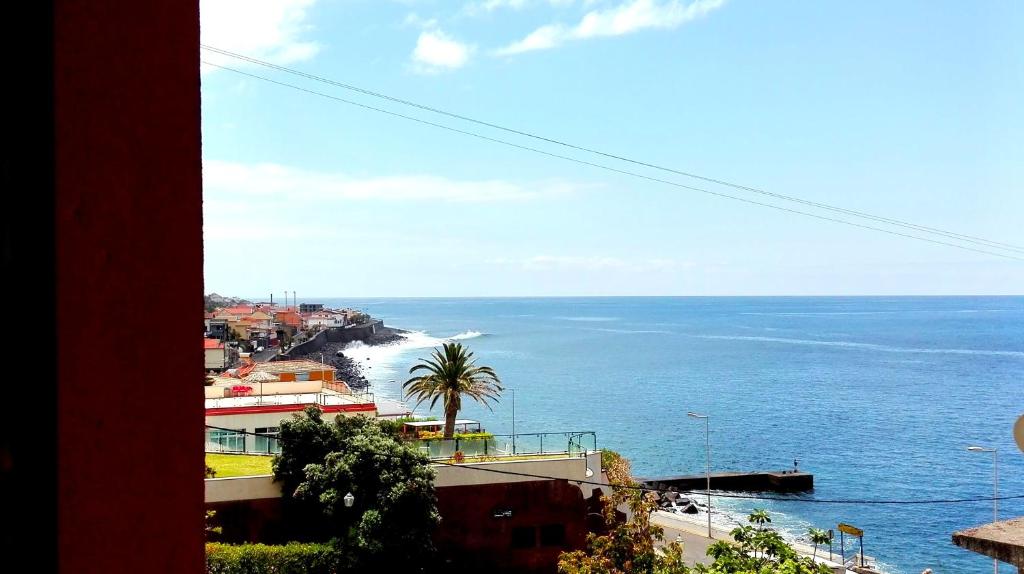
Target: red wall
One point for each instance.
(476, 541)
(127, 165)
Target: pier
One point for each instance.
(757, 481)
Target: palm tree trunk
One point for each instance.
(815, 554)
(449, 420)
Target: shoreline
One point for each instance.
(348, 369)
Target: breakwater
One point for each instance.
(768, 481)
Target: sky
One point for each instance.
(907, 110)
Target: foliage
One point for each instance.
(458, 457)
(212, 528)
(435, 435)
(616, 467)
(210, 472)
(629, 547)
(291, 558)
(818, 537)
(389, 526)
(209, 381)
(447, 377)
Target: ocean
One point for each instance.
(877, 396)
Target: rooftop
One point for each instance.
(212, 344)
(1003, 540)
(326, 399)
(294, 366)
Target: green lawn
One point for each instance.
(228, 465)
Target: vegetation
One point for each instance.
(291, 558)
(449, 375)
(389, 525)
(230, 465)
(818, 537)
(630, 546)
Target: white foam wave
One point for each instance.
(381, 363)
(867, 346)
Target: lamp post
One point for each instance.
(707, 446)
(995, 487)
(513, 420)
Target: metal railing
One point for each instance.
(569, 443)
(240, 442)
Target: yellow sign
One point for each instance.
(853, 530)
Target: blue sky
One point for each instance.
(909, 110)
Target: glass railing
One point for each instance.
(240, 442)
(572, 443)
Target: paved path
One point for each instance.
(696, 542)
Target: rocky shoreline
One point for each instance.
(348, 369)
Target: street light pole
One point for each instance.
(995, 489)
(513, 420)
(707, 447)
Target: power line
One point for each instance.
(887, 220)
(606, 167)
(642, 488)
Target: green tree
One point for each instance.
(759, 517)
(394, 513)
(449, 375)
(818, 536)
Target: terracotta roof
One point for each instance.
(212, 344)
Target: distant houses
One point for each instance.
(259, 326)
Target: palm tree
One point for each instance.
(759, 517)
(818, 536)
(449, 375)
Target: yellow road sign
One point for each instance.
(852, 530)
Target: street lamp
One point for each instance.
(349, 500)
(995, 486)
(513, 420)
(707, 437)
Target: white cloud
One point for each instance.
(626, 18)
(270, 30)
(436, 51)
(488, 6)
(250, 182)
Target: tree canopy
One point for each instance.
(394, 511)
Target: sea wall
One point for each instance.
(362, 332)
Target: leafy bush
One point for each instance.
(389, 526)
(291, 558)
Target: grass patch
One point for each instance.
(228, 465)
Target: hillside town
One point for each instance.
(235, 329)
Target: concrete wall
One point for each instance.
(215, 358)
(241, 488)
(570, 468)
(354, 333)
(313, 345)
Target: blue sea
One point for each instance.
(877, 396)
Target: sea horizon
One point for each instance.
(871, 393)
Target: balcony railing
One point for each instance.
(495, 446)
(531, 444)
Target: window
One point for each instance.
(524, 537)
(301, 376)
(228, 440)
(552, 535)
(266, 444)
